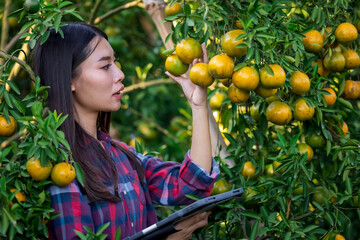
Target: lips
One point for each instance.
(119, 91)
(118, 94)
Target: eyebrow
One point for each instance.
(104, 58)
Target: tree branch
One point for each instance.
(5, 25)
(22, 63)
(116, 10)
(143, 85)
(12, 42)
(94, 11)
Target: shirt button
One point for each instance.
(125, 192)
(132, 224)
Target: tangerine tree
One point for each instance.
(284, 90)
(286, 133)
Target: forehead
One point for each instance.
(100, 49)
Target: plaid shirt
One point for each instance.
(167, 183)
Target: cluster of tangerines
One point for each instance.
(62, 174)
(335, 57)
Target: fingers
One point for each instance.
(205, 54)
(177, 79)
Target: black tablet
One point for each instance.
(165, 227)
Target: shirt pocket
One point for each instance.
(137, 188)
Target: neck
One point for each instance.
(88, 122)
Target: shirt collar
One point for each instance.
(103, 136)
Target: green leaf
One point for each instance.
(26, 26)
(8, 99)
(254, 231)
(287, 236)
(264, 212)
(251, 214)
(13, 86)
(57, 22)
(19, 106)
(349, 188)
(79, 173)
(345, 102)
(168, 51)
(117, 234)
(240, 66)
(269, 70)
(44, 37)
(193, 197)
(41, 198)
(102, 228)
(80, 235)
(309, 228)
(65, 3)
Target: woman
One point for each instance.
(121, 185)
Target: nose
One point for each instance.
(119, 75)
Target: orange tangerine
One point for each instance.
(246, 78)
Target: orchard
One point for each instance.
(283, 82)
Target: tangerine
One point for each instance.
(322, 71)
(216, 100)
(220, 186)
(255, 112)
(313, 41)
(272, 81)
(302, 111)
(335, 62)
(299, 82)
(31, 6)
(351, 90)
(279, 113)
(171, 10)
(188, 50)
(19, 195)
(264, 92)
(225, 81)
(63, 174)
(36, 171)
(331, 98)
(248, 170)
(344, 127)
(346, 33)
(229, 44)
(303, 148)
(200, 75)
(246, 78)
(239, 24)
(352, 59)
(237, 95)
(221, 66)
(334, 236)
(315, 140)
(175, 66)
(7, 129)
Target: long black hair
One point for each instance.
(57, 62)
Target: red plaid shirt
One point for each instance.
(167, 183)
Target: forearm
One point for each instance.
(201, 143)
(218, 145)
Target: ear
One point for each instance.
(72, 87)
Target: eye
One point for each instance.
(106, 67)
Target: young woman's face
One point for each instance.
(98, 85)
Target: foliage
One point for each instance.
(273, 34)
(296, 199)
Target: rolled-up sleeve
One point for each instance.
(170, 182)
